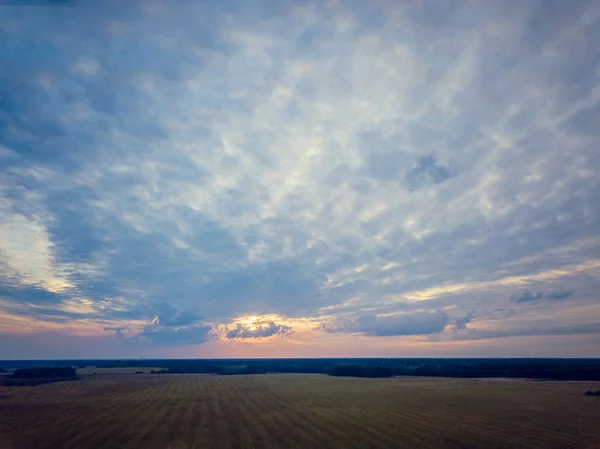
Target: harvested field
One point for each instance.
(296, 410)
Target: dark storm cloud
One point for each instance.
(259, 330)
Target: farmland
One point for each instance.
(297, 410)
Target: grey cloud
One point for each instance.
(461, 322)
(51, 315)
(260, 330)
(339, 175)
(170, 315)
(536, 330)
(558, 294)
(29, 293)
(417, 323)
(384, 159)
(528, 296)
(117, 330)
(191, 335)
(427, 171)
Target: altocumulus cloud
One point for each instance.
(381, 167)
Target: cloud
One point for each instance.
(27, 294)
(26, 251)
(86, 66)
(461, 322)
(559, 294)
(258, 330)
(169, 316)
(539, 330)
(117, 330)
(427, 171)
(527, 296)
(338, 162)
(417, 323)
(191, 335)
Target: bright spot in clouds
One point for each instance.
(300, 179)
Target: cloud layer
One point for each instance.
(385, 326)
(393, 171)
(258, 330)
(527, 296)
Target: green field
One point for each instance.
(296, 410)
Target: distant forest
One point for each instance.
(550, 369)
(44, 373)
(39, 375)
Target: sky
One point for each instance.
(299, 179)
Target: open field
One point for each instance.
(297, 410)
